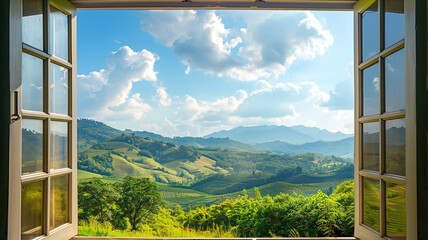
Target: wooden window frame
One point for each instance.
(16, 178)
(362, 231)
(416, 100)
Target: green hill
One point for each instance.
(90, 132)
(209, 170)
(198, 174)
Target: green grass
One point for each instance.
(94, 228)
(84, 175)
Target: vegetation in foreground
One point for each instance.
(134, 208)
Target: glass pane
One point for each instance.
(32, 83)
(396, 211)
(59, 132)
(371, 146)
(395, 148)
(370, 31)
(394, 82)
(32, 145)
(32, 23)
(59, 89)
(58, 33)
(371, 203)
(394, 21)
(58, 201)
(31, 210)
(371, 88)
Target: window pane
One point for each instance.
(371, 203)
(32, 83)
(32, 23)
(59, 89)
(371, 146)
(394, 21)
(394, 82)
(395, 137)
(59, 153)
(371, 88)
(396, 211)
(31, 210)
(32, 145)
(370, 31)
(58, 201)
(58, 33)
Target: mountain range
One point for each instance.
(298, 134)
(272, 138)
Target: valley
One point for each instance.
(203, 171)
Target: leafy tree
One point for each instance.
(139, 199)
(97, 198)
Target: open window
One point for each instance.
(43, 178)
(382, 89)
(43, 184)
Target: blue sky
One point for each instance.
(181, 73)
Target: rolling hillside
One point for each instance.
(202, 171)
(92, 132)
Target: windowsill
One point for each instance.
(288, 238)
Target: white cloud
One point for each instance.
(311, 123)
(267, 46)
(376, 83)
(274, 101)
(342, 98)
(106, 94)
(267, 104)
(163, 96)
(199, 39)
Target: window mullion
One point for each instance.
(381, 7)
(46, 210)
(382, 198)
(382, 208)
(47, 79)
(46, 26)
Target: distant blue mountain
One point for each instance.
(293, 135)
(321, 134)
(340, 148)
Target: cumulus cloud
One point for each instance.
(342, 98)
(199, 39)
(191, 109)
(106, 94)
(274, 101)
(266, 104)
(278, 41)
(163, 96)
(264, 47)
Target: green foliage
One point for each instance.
(138, 200)
(282, 215)
(96, 199)
(145, 153)
(101, 164)
(259, 216)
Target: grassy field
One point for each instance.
(94, 228)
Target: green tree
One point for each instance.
(139, 199)
(97, 198)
